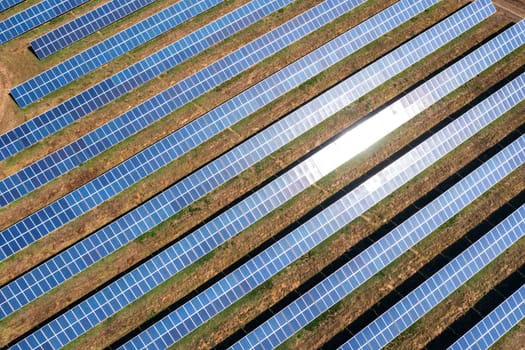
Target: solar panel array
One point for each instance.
(208, 237)
(134, 76)
(107, 50)
(353, 274)
(85, 25)
(443, 283)
(109, 134)
(138, 221)
(5, 4)
(491, 328)
(275, 258)
(266, 264)
(71, 319)
(34, 16)
(181, 141)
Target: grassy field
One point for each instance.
(15, 54)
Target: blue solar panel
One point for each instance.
(146, 69)
(171, 201)
(5, 4)
(274, 259)
(218, 230)
(195, 133)
(444, 282)
(491, 328)
(85, 25)
(109, 49)
(353, 274)
(34, 16)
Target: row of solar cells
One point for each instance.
(115, 302)
(178, 143)
(34, 16)
(109, 49)
(85, 25)
(161, 207)
(137, 74)
(357, 271)
(502, 319)
(136, 119)
(5, 4)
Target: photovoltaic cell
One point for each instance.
(186, 191)
(491, 328)
(134, 120)
(85, 25)
(262, 267)
(353, 274)
(5, 4)
(134, 76)
(109, 49)
(181, 141)
(443, 283)
(34, 16)
(200, 242)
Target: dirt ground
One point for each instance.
(514, 8)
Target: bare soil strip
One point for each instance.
(515, 8)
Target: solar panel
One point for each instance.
(353, 274)
(5, 4)
(164, 265)
(85, 25)
(34, 16)
(444, 282)
(109, 49)
(491, 328)
(155, 64)
(134, 120)
(159, 208)
(259, 269)
(146, 162)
